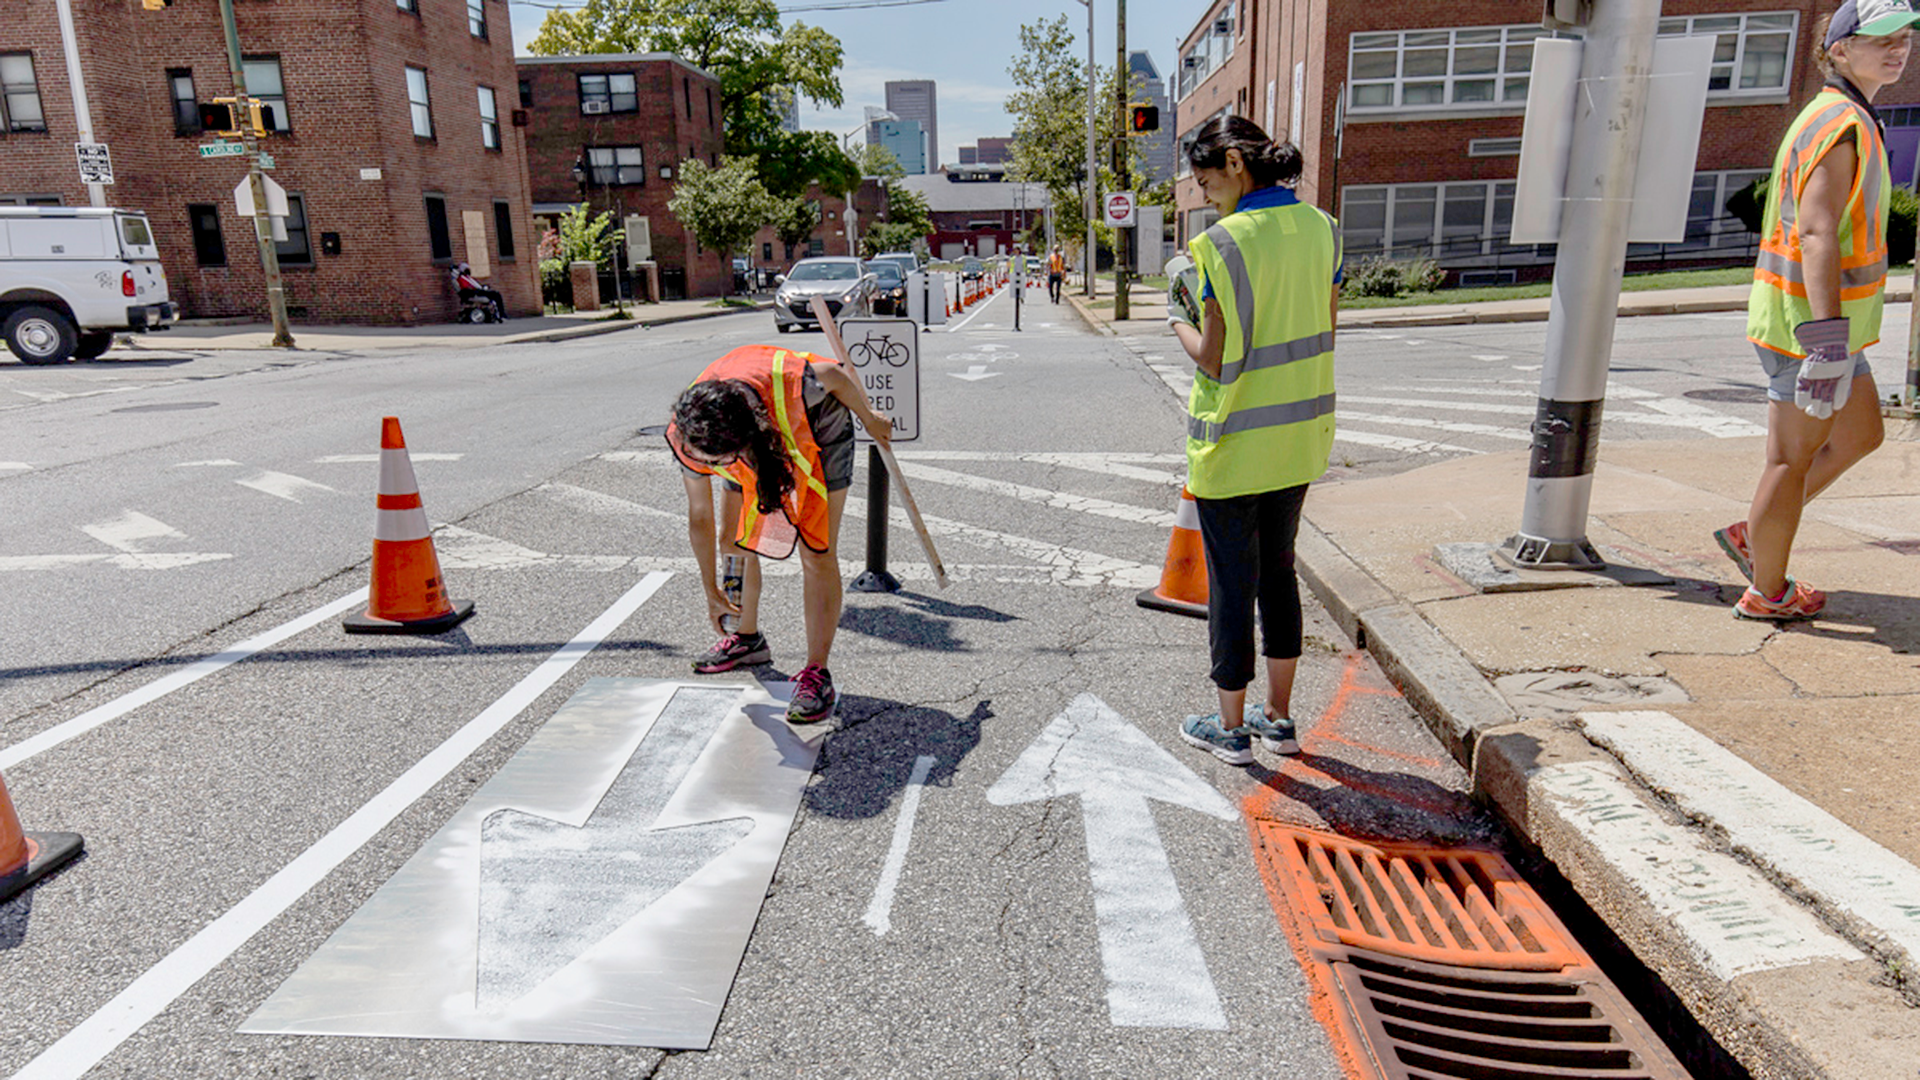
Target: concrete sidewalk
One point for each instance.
(196, 335)
(1737, 800)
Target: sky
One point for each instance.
(965, 46)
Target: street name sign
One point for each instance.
(885, 354)
(1119, 206)
(96, 165)
(599, 889)
(223, 149)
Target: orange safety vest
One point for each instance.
(1056, 263)
(1779, 302)
(776, 375)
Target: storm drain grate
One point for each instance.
(1446, 965)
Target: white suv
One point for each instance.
(72, 277)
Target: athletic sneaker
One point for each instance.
(1276, 735)
(1797, 602)
(732, 651)
(1205, 732)
(1733, 541)
(813, 696)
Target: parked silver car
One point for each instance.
(845, 282)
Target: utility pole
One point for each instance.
(1087, 257)
(1122, 238)
(77, 84)
(1615, 81)
(262, 221)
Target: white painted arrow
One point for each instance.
(1156, 973)
(973, 374)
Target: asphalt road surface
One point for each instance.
(183, 532)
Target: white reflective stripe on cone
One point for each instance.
(1187, 514)
(396, 473)
(401, 525)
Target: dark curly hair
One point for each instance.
(725, 416)
(1270, 162)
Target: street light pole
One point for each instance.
(262, 222)
(1093, 168)
(1122, 237)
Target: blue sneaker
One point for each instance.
(1205, 732)
(1276, 735)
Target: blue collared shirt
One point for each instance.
(1261, 199)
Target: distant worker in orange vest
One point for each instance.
(1056, 273)
(777, 425)
(1819, 285)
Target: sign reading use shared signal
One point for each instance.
(885, 354)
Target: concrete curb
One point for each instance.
(595, 329)
(1789, 1022)
(1094, 322)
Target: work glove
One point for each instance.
(1183, 291)
(1827, 372)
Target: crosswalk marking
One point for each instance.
(1396, 442)
(1676, 415)
(283, 485)
(1457, 426)
(1060, 500)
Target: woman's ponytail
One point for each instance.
(1267, 161)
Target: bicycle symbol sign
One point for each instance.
(885, 354)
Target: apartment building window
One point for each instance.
(20, 94)
(295, 250)
(186, 106)
(477, 18)
(489, 119)
(411, 7)
(611, 165)
(264, 82)
(503, 228)
(613, 92)
(439, 239)
(1437, 68)
(209, 248)
(1751, 53)
(1211, 49)
(526, 94)
(710, 120)
(686, 91)
(418, 102)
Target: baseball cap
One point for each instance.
(1870, 18)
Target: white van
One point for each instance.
(72, 277)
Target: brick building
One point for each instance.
(612, 130)
(1421, 159)
(977, 212)
(829, 235)
(393, 138)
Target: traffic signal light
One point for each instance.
(216, 117)
(1143, 118)
(224, 116)
(156, 5)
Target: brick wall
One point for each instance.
(342, 65)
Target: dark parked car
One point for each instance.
(972, 269)
(890, 291)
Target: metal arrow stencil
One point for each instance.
(549, 890)
(1156, 973)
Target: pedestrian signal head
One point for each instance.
(1143, 118)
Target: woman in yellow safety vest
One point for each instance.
(778, 426)
(1259, 419)
(1817, 294)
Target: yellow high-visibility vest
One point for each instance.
(1266, 424)
(1779, 302)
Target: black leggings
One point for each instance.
(1249, 545)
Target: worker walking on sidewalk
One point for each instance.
(1818, 290)
(778, 425)
(1260, 417)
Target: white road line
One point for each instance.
(1075, 459)
(161, 687)
(957, 327)
(643, 456)
(1767, 823)
(880, 910)
(1460, 427)
(131, 531)
(599, 502)
(1059, 500)
(1489, 357)
(1066, 566)
(220, 462)
(152, 560)
(100, 1034)
(1711, 423)
(1395, 442)
(464, 549)
(369, 459)
(1733, 919)
(1614, 390)
(14, 466)
(283, 485)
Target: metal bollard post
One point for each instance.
(875, 577)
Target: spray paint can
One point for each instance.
(733, 584)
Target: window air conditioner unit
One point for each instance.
(593, 107)
(1223, 25)
(1190, 61)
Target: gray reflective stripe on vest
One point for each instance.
(1265, 416)
(1273, 356)
(1242, 282)
(1787, 270)
(1801, 145)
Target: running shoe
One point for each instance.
(732, 651)
(1797, 602)
(1733, 541)
(1205, 732)
(1276, 735)
(813, 696)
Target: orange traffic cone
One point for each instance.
(408, 596)
(1183, 580)
(27, 857)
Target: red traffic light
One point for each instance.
(1143, 118)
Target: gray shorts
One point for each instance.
(1783, 371)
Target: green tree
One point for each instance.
(761, 64)
(794, 220)
(722, 207)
